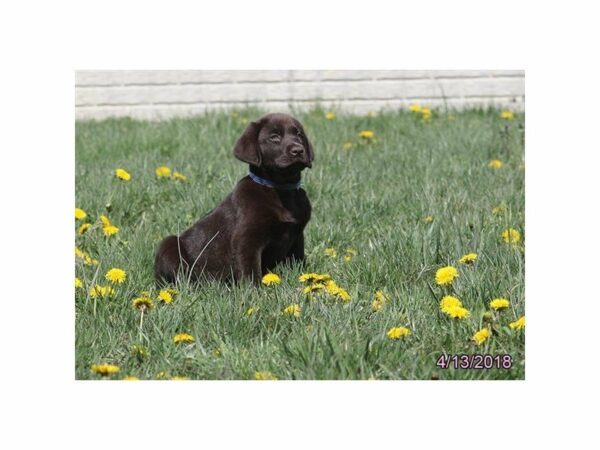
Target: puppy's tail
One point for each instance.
(171, 259)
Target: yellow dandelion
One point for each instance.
(507, 115)
(271, 278)
(107, 227)
(415, 108)
(314, 277)
(511, 236)
(498, 210)
(481, 336)
(446, 275)
(183, 337)
(142, 303)
(90, 261)
(105, 369)
(116, 276)
(347, 145)
(499, 303)
(381, 296)
(313, 287)
(334, 290)
(163, 172)
(78, 283)
(330, 115)
(105, 221)
(83, 228)
(468, 258)
(457, 312)
(307, 277)
(80, 214)
(265, 375)
(428, 219)
(495, 164)
(322, 277)
(380, 299)
(130, 378)
(163, 375)
(517, 324)
(331, 287)
(350, 253)
(165, 296)
(426, 114)
(179, 176)
(251, 311)
(376, 305)
(331, 252)
(122, 174)
(110, 230)
(292, 310)
(85, 257)
(398, 333)
(101, 291)
(449, 301)
(453, 307)
(343, 295)
(366, 134)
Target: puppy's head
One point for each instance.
(276, 142)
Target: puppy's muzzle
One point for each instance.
(300, 153)
(297, 151)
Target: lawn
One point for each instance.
(413, 198)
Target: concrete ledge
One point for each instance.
(158, 95)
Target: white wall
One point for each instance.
(151, 94)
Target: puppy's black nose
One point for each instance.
(297, 151)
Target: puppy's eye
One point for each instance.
(274, 138)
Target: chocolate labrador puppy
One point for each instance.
(258, 225)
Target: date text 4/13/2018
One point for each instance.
(475, 361)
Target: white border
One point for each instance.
(47, 41)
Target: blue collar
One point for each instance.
(268, 183)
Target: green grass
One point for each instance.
(372, 198)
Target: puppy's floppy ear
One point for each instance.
(246, 148)
(310, 151)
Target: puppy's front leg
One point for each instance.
(247, 250)
(296, 253)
